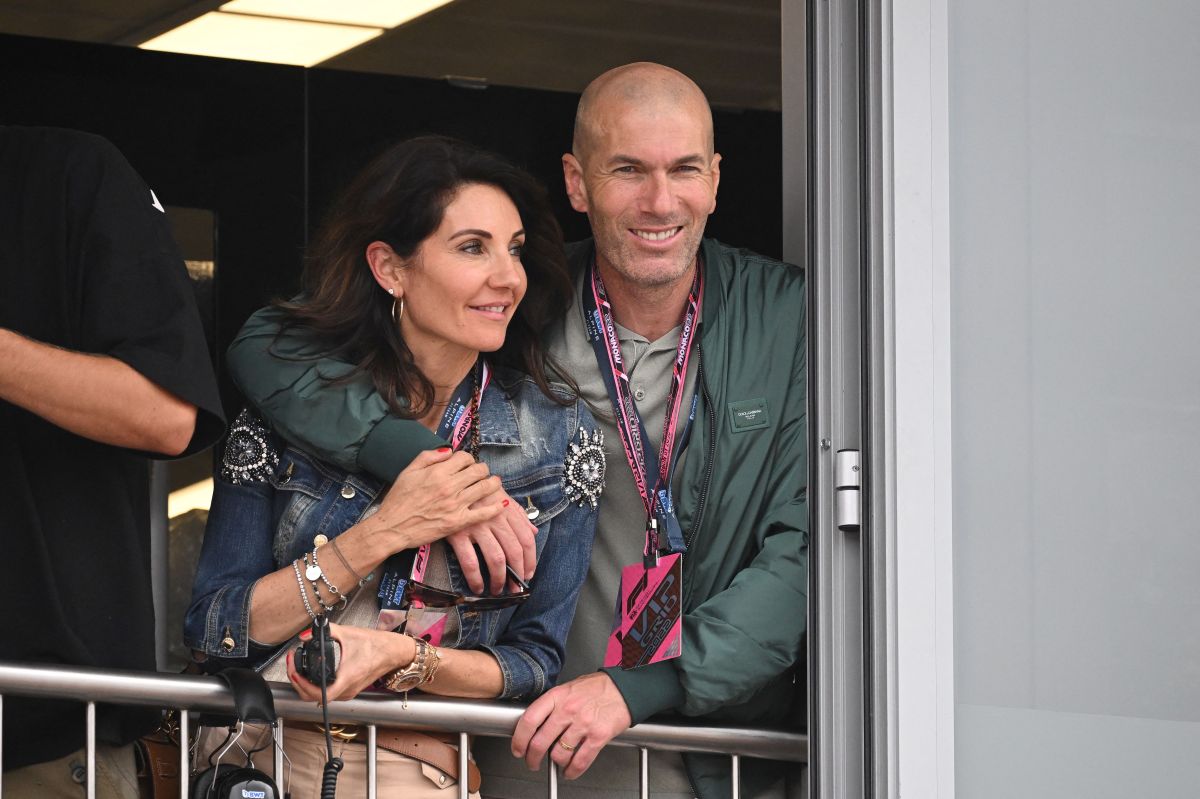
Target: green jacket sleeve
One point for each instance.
(285, 378)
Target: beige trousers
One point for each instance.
(396, 775)
(66, 778)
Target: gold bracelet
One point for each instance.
(434, 661)
(419, 671)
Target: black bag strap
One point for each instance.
(251, 697)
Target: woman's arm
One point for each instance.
(523, 663)
(430, 499)
(368, 655)
(242, 604)
(531, 647)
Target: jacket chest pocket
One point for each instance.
(298, 512)
(541, 495)
(312, 501)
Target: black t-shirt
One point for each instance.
(87, 263)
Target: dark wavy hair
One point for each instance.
(400, 199)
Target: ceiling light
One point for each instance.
(376, 13)
(277, 41)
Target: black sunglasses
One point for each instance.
(432, 597)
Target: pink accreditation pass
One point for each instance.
(648, 627)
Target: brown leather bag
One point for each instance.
(157, 756)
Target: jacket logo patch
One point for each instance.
(749, 414)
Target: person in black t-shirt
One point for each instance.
(102, 364)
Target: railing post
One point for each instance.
(185, 768)
(644, 772)
(372, 763)
(552, 779)
(91, 750)
(277, 746)
(464, 757)
(735, 776)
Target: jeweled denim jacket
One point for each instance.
(272, 500)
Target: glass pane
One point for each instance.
(1075, 195)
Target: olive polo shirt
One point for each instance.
(620, 536)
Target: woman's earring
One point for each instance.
(396, 315)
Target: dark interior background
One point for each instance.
(264, 147)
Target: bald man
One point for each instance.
(704, 541)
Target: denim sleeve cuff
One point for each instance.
(648, 689)
(392, 444)
(227, 617)
(524, 677)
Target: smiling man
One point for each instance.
(704, 540)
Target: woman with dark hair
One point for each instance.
(436, 254)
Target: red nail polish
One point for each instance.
(505, 504)
(304, 636)
(443, 449)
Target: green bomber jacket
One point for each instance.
(742, 504)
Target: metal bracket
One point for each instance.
(847, 487)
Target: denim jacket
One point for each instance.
(272, 500)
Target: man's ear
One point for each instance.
(573, 178)
(386, 266)
(716, 179)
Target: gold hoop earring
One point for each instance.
(397, 316)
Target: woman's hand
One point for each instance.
(507, 537)
(439, 493)
(367, 655)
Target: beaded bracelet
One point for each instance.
(333, 589)
(303, 592)
(313, 572)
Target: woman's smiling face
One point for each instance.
(464, 283)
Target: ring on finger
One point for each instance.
(567, 746)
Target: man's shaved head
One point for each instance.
(643, 169)
(646, 86)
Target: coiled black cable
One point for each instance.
(334, 764)
(329, 778)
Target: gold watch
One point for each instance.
(419, 671)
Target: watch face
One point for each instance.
(405, 680)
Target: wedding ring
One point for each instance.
(567, 746)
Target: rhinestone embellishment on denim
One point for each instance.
(249, 456)
(583, 475)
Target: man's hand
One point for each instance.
(573, 722)
(507, 538)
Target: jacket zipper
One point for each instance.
(712, 448)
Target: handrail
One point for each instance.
(494, 718)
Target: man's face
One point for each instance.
(648, 182)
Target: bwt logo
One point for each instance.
(253, 794)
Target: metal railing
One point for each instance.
(189, 693)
